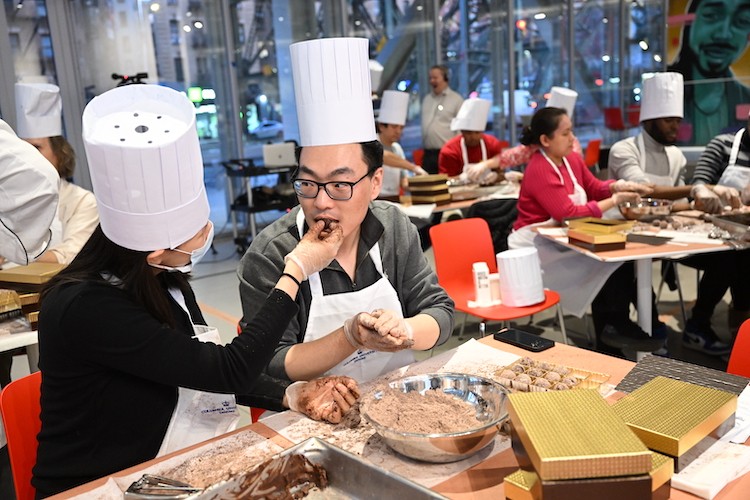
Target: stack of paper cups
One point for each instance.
(483, 294)
(520, 277)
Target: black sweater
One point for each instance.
(110, 373)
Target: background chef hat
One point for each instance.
(38, 110)
(146, 166)
(662, 96)
(561, 97)
(376, 73)
(472, 116)
(332, 91)
(393, 107)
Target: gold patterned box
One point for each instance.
(526, 485)
(600, 226)
(672, 416)
(575, 434)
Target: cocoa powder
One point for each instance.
(433, 412)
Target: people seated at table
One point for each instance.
(130, 370)
(558, 186)
(651, 157)
(363, 314)
(40, 123)
(390, 124)
(517, 156)
(725, 163)
(472, 145)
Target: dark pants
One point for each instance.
(721, 271)
(430, 160)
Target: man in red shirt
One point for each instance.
(473, 145)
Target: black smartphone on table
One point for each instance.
(523, 340)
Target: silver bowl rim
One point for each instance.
(378, 426)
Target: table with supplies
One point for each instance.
(477, 477)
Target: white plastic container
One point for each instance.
(483, 294)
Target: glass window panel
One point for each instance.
(30, 41)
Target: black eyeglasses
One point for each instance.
(336, 190)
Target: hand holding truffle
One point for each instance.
(325, 398)
(382, 330)
(317, 248)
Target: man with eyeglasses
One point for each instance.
(379, 299)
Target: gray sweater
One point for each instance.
(403, 263)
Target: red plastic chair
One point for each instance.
(20, 408)
(613, 119)
(459, 244)
(739, 360)
(591, 155)
(418, 155)
(634, 115)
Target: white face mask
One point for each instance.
(195, 256)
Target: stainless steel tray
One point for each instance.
(349, 476)
(737, 224)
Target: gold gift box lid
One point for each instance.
(601, 226)
(35, 273)
(576, 434)
(672, 416)
(662, 469)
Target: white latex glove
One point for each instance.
(387, 322)
(317, 248)
(729, 196)
(362, 336)
(705, 199)
(488, 178)
(325, 398)
(474, 171)
(622, 185)
(420, 171)
(513, 176)
(618, 198)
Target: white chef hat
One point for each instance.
(662, 96)
(561, 97)
(376, 73)
(472, 116)
(332, 91)
(38, 110)
(146, 166)
(393, 107)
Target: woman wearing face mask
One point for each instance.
(130, 370)
(557, 185)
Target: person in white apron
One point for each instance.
(557, 185)
(651, 157)
(380, 275)
(472, 146)
(130, 369)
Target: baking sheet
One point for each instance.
(348, 475)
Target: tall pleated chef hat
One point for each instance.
(561, 97)
(146, 166)
(662, 96)
(472, 115)
(332, 91)
(393, 107)
(38, 110)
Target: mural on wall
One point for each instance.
(708, 43)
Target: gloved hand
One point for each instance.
(388, 322)
(362, 336)
(622, 186)
(488, 178)
(729, 196)
(475, 171)
(317, 248)
(513, 176)
(705, 199)
(618, 198)
(325, 398)
(420, 171)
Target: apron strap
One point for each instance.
(735, 148)
(465, 152)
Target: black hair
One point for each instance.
(544, 122)
(101, 256)
(444, 70)
(372, 154)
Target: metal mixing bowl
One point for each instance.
(486, 396)
(646, 209)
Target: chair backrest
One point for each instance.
(613, 119)
(458, 244)
(591, 156)
(500, 216)
(739, 360)
(634, 115)
(20, 408)
(418, 155)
